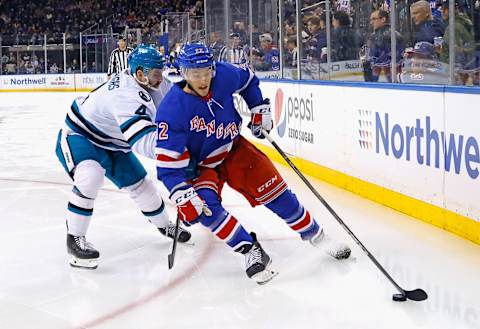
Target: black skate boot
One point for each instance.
(257, 262)
(169, 232)
(84, 255)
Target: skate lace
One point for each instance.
(170, 230)
(83, 243)
(253, 256)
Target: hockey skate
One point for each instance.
(335, 249)
(83, 254)
(169, 231)
(257, 263)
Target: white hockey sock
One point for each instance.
(79, 214)
(146, 197)
(88, 179)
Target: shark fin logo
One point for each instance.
(280, 120)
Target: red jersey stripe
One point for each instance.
(162, 157)
(305, 222)
(215, 158)
(227, 229)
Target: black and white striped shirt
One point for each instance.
(118, 60)
(232, 56)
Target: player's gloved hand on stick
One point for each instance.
(261, 118)
(189, 205)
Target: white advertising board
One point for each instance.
(88, 81)
(420, 143)
(61, 82)
(43, 81)
(462, 162)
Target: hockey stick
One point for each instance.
(416, 295)
(171, 256)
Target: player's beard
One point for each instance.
(152, 87)
(147, 85)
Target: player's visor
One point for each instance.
(204, 73)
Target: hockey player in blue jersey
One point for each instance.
(97, 140)
(200, 148)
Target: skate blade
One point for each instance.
(264, 276)
(89, 264)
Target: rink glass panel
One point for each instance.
(337, 53)
(288, 40)
(223, 18)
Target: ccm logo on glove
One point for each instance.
(189, 205)
(261, 119)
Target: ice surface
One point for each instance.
(207, 288)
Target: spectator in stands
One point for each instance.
(290, 26)
(35, 61)
(318, 38)
(11, 68)
(464, 42)
(345, 40)
(21, 67)
(291, 56)
(74, 68)
(53, 68)
(197, 10)
(421, 65)
(240, 29)
(378, 47)
(29, 68)
(269, 59)
(4, 63)
(216, 43)
(425, 27)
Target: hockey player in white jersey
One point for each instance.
(101, 130)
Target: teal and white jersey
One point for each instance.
(119, 115)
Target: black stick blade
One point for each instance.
(416, 295)
(170, 261)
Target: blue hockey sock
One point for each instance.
(292, 212)
(223, 224)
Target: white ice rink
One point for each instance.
(133, 288)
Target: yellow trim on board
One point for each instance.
(437, 216)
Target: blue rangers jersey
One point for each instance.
(195, 130)
(118, 116)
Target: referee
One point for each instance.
(233, 53)
(118, 58)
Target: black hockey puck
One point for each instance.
(399, 297)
